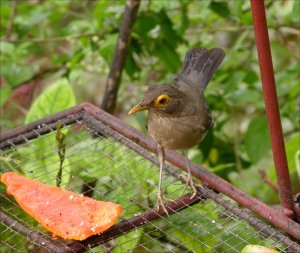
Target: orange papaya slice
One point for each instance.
(64, 213)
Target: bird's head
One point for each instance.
(164, 99)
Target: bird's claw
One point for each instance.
(189, 181)
(160, 202)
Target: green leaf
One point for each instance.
(6, 48)
(168, 55)
(16, 74)
(57, 97)
(255, 186)
(241, 41)
(131, 67)
(257, 139)
(185, 22)
(237, 8)
(145, 23)
(100, 13)
(167, 30)
(38, 16)
(221, 8)
(296, 11)
(233, 80)
(244, 97)
(281, 55)
(292, 147)
(251, 77)
(77, 57)
(107, 47)
(221, 167)
(128, 241)
(247, 18)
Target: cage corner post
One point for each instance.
(272, 108)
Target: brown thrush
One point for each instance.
(178, 115)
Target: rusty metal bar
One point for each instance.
(45, 243)
(270, 96)
(23, 133)
(138, 221)
(34, 125)
(217, 183)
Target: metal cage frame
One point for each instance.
(107, 124)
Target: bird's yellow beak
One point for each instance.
(137, 108)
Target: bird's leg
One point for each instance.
(160, 198)
(188, 179)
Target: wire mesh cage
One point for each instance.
(104, 164)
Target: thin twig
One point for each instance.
(267, 180)
(290, 30)
(286, 42)
(10, 25)
(119, 58)
(61, 150)
(52, 39)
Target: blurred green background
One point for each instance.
(65, 48)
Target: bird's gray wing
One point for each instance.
(199, 66)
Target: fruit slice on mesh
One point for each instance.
(64, 213)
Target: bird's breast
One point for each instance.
(176, 132)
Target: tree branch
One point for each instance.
(268, 181)
(119, 58)
(10, 25)
(53, 39)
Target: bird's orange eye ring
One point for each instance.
(162, 100)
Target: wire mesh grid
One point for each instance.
(107, 166)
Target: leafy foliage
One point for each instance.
(57, 97)
(257, 131)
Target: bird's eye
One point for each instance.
(162, 100)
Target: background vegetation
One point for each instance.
(45, 44)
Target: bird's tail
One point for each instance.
(199, 66)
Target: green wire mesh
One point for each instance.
(105, 169)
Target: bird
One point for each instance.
(178, 115)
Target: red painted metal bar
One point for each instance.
(39, 123)
(270, 95)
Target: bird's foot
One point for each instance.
(189, 182)
(160, 202)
